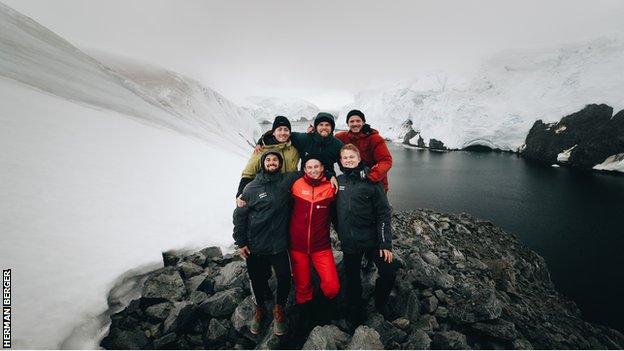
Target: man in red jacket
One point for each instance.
(372, 147)
(310, 244)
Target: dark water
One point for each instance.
(574, 219)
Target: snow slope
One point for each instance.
(266, 108)
(32, 54)
(500, 103)
(100, 171)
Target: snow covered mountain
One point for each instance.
(264, 109)
(34, 55)
(498, 105)
(103, 166)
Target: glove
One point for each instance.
(364, 173)
(366, 128)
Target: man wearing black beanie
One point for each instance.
(320, 144)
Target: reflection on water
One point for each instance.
(572, 218)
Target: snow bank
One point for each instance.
(103, 166)
(612, 163)
(499, 104)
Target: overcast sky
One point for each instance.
(323, 51)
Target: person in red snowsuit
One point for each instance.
(310, 244)
(373, 149)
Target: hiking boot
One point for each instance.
(279, 320)
(256, 321)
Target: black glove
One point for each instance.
(366, 129)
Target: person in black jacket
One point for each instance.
(261, 234)
(363, 225)
(321, 144)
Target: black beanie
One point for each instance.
(356, 113)
(325, 117)
(280, 121)
(271, 152)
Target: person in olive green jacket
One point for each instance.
(277, 139)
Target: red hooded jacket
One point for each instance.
(374, 153)
(311, 216)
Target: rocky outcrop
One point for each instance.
(464, 284)
(435, 144)
(583, 139)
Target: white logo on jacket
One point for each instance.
(263, 195)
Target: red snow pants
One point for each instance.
(324, 265)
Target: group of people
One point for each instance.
(283, 217)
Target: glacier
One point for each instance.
(497, 105)
(265, 108)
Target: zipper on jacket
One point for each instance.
(310, 220)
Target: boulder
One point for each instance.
(233, 274)
(450, 340)
(165, 285)
(365, 338)
(327, 337)
(223, 303)
(217, 332)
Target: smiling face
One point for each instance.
(271, 163)
(314, 168)
(281, 134)
(324, 129)
(355, 124)
(349, 158)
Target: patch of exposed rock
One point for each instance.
(583, 139)
(464, 284)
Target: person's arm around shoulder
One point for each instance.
(382, 157)
(241, 229)
(299, 140)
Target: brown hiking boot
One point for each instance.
(279, 320)
(256, 321)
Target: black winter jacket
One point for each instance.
(313, 145)
(262, 225)
(363, 213)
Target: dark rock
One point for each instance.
(401, 323)
(426, 323)
(197, 297)
(418, 340)
(120, 339)
(429, 304)
(197, 258)
(189, 269)
(365, 338)
(159, 311)
(181, 317)
(431, 258)
(223, 303)
(590, 134)
(436, 144)
(497, 328)
(212, 253)
(327, 337)
(450, 340)
(522, 344)
(243, 313)
(232, 275)
(165, 285)
(165, 342)
(482, 306)
(426, 275)
(388, 333)
(216, 332)
(172, 257)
